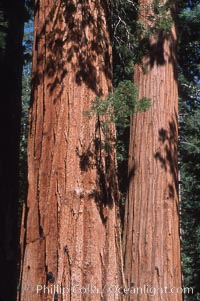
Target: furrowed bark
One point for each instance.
(72, 219)
(151, 237)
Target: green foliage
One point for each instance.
(3, 33)
(125, 40)
(189, 107)
(158, 18)
(26, 92)
(124, 100)
(28, 42)
(190, 192)
(189, 44)
(131, 33)
(119, 106)
(143, 105)
(26, 89)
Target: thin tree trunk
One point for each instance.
(71, 220)
(151, 236)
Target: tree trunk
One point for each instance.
(11, 64)
(151, 238)
(71, 226)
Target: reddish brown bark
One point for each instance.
(71, 221)
(151, 236)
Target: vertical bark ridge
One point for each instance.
(72, 216)
(151, 236)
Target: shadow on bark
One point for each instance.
(157, 52)
(83, 53)
(156, 55)
(169, 159)
(76, 47)
(97, 156)
(155, 46)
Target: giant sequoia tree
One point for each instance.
(69, 234)
(151, 236)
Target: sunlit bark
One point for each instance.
(151, 236)
(71, 227)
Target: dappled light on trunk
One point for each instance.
(70, 235)
(151, 238)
